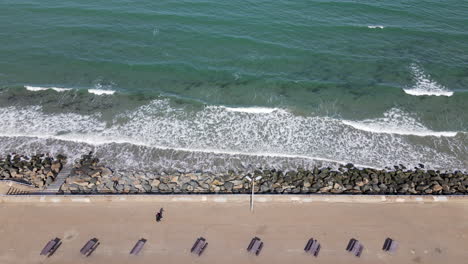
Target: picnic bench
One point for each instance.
(199, 246)
(355, 247)
(138, 247)
(255, 246)
(312, 247)
(89, 247)
(51, 247)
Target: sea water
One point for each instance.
(217, 85)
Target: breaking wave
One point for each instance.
(101, 92)
(398, 122)
(424, 85)
(60, 89)
(161, 135)
(253, 110)
(37, 89)
(376, 26)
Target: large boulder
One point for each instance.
(228, 186)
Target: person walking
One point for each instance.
(159, 215)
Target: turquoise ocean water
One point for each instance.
(215, 85)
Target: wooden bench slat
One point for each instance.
(257, 252)
(387, 244)
(89, 246)
(351, 243)
(138, 246)
(48, 247)
(309, 244)
(252, 243)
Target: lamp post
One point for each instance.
(253, 185)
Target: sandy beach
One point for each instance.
(428, 229)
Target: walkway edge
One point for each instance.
(238, 198)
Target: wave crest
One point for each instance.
(253, 110)
(101, 92)
(424, 85)
(61, 89)
(376, 26)
(398, 122)
(219, 132)
(38, 88)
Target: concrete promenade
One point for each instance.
(429, 229)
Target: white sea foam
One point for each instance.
(421, 92)
(398, 122)
(100, 140)
(376, 26)
(101, 92)
(37, 88)
(219, 132)
(59, 89)
(253, 110)
(424, 85)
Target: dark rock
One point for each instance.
(105, 172)
(437, 188)
(194, 184)
(422, 187)
(164, 187)
(109, 186)
(228, 186)
(146, 186)
(296, 190)
(265, 187)
(49, 180)
(89, 176)
(119, 187)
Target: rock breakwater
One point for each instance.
(89, 176)
(38, 170)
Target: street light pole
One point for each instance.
(253, 188)
(252, 197)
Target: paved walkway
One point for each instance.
(428, 229)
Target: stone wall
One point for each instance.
(89, 176)
(39, 170)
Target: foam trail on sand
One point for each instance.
(424, 85)
(398, 122)
(37, 88)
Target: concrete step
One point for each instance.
(16, 191)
